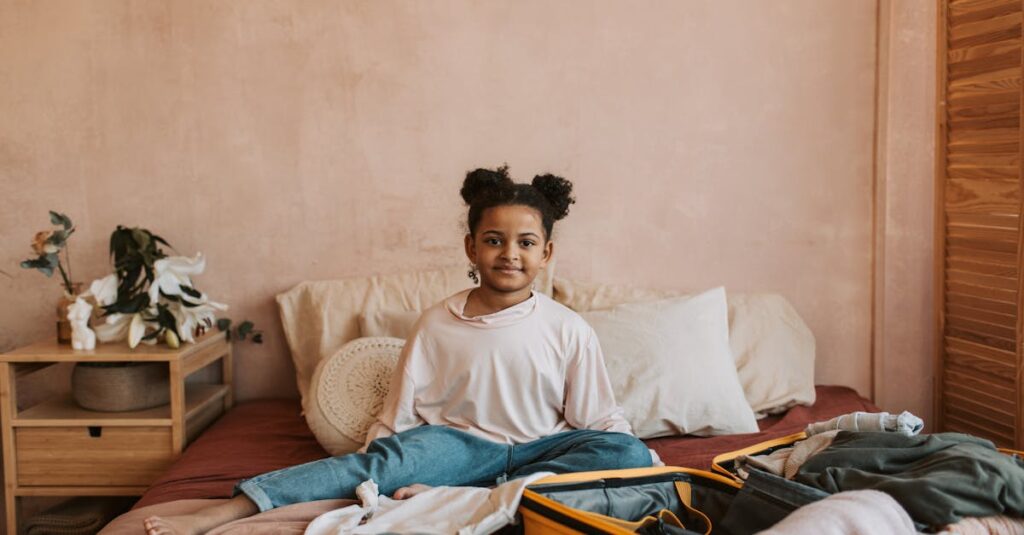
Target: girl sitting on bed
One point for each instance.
(495, 383)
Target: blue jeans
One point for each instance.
(437, 455)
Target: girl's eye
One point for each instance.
(492, 241)
(526, 243)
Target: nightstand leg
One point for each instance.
(227, 376)
(8, 406)
(177, 407)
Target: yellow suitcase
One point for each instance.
(627, 501)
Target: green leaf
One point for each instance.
(141, 238)
(58, 238)
(42, 264)
(224, 324)
(166, 319)
(245, 328)
(161, 240)
(60, 219)
(128, 304)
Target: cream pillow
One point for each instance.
(321, 316)
(396, 323)
(348, 390)
(670, 366)
(771, 345)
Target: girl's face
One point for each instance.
(509, 248)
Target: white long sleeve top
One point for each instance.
(519, 374)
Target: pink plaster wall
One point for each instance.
(718, 142)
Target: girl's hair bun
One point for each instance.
(481, 182)
(557, 191)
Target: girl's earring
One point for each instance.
(472, 274)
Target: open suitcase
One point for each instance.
(660, 500)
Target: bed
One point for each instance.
(757, 339)
(258, 436)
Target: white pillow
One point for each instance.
(671, 368)
(774, 352)
(348, 390)
(771, 345)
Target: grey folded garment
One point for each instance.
(904, 423)
(78, 516)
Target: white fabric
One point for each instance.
(514, 376)
(462, 510)
(348, 392)
(772, 347)
(855, 512)
(904, 423)
(671, 368)
(321, 316)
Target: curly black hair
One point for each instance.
(548, 194)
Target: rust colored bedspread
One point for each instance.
(264, 435)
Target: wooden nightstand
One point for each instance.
(56, 448)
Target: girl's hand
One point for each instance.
(405, 493)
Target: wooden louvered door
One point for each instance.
(978, 189)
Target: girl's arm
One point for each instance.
(589, 400)
(399, 411)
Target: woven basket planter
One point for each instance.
(128, 386)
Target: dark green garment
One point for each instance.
(937, 478)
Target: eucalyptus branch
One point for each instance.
(67, 281)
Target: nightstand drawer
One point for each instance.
(72, 456)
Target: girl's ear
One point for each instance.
(549, 250)
(470, 248)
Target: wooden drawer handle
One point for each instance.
(95, 431)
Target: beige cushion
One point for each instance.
(671, 368)
(771, 345)
(397, 323)
(320, 316)
(348, 391)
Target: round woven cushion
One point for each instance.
(348, 391)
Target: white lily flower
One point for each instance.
(114, 329)
(171, 272)
(104, 290)
(188, 318)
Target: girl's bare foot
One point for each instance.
(405, 493)
(170, 525)
(202, 520)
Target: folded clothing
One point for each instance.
(904, 423)
(988, 525)
(937, 478)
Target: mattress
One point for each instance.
(263, 435)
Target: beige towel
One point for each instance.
(786, 462)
